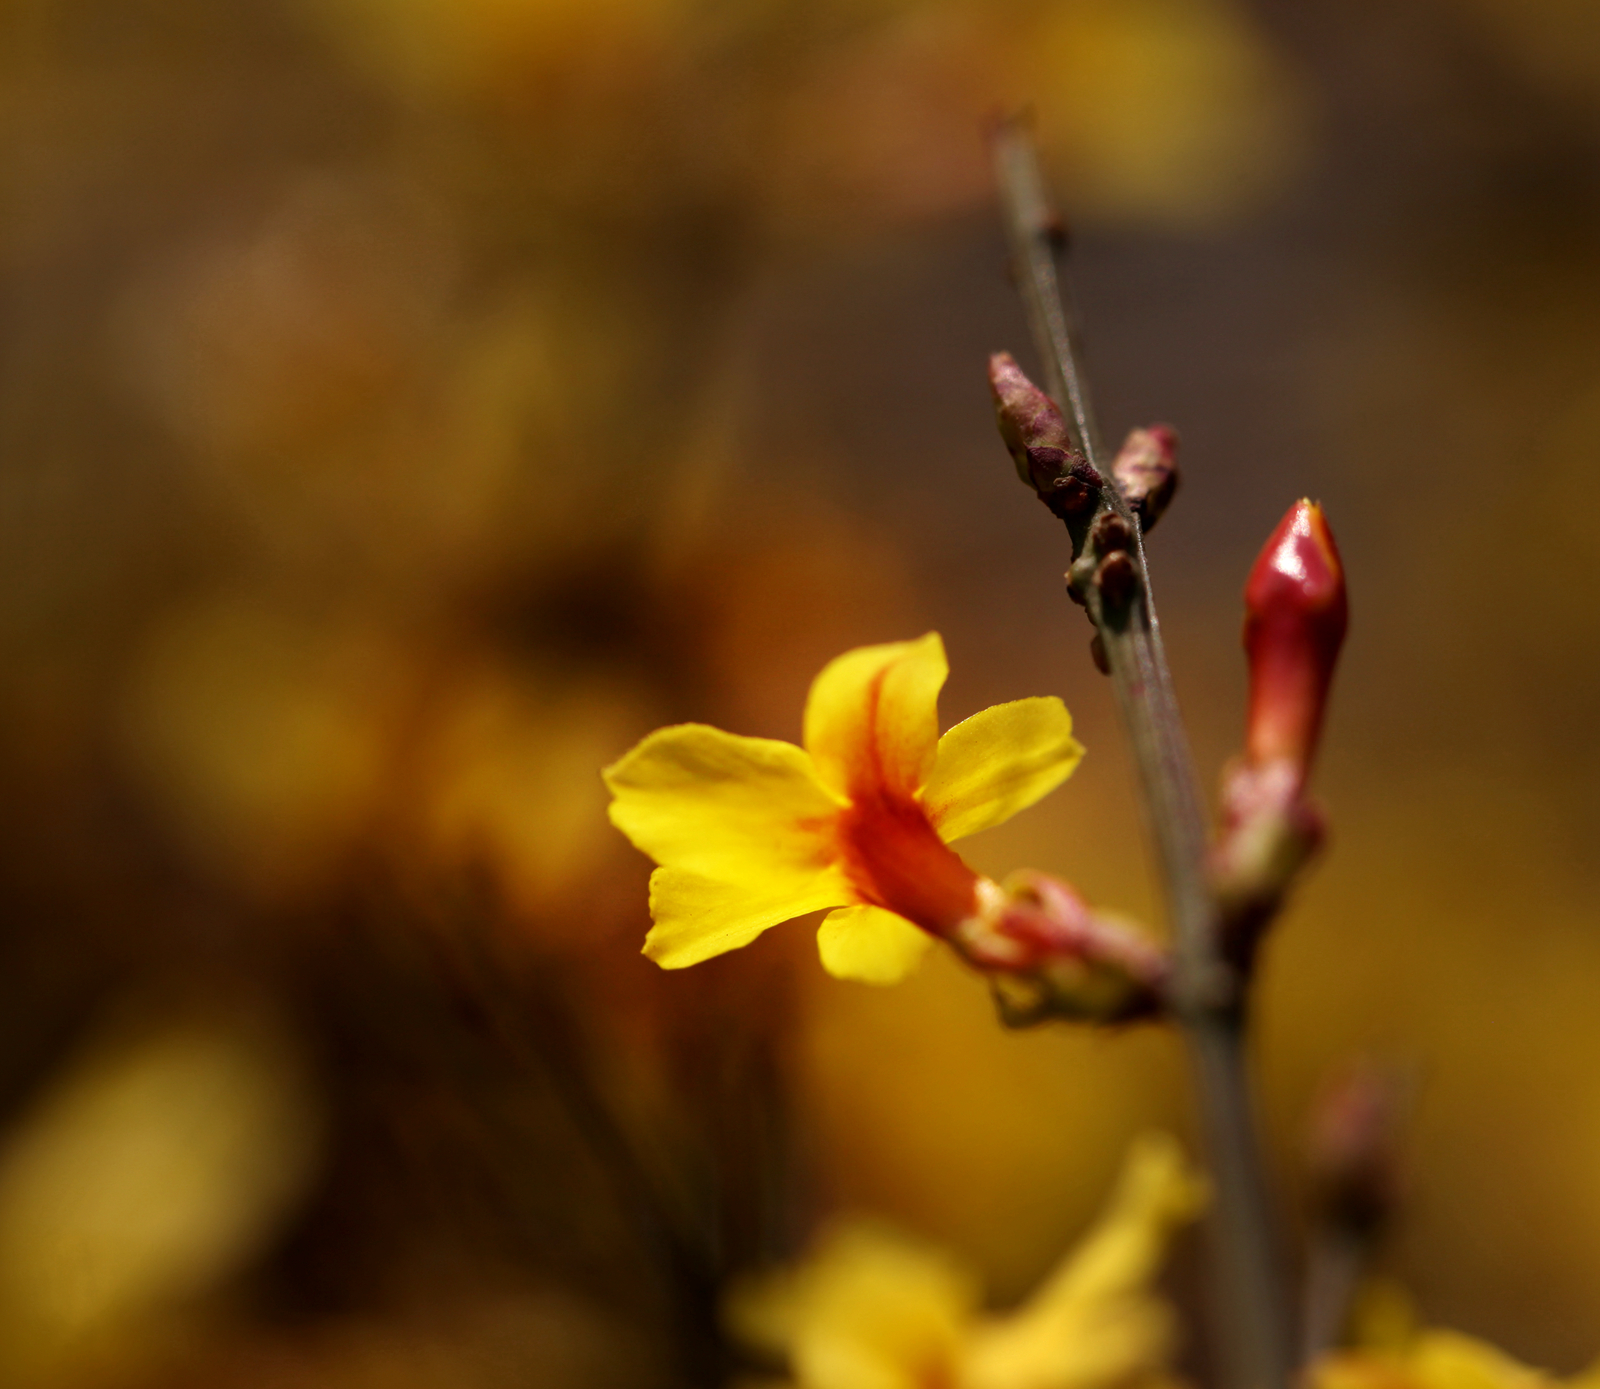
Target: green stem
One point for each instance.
(1208, 993)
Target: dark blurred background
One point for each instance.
(406, 404)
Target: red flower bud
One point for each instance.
(1296, 613)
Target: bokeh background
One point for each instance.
(406, 404)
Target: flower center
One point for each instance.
(895, 859)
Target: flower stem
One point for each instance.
(1209, 994)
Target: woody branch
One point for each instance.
(1209, 990)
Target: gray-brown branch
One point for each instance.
(1110, 578)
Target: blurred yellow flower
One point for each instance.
(749, 832)
(873, 1310)
(1393, 1352)
(151, 1171)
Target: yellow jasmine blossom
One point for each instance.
(1393, 1352)
(749, 832)
(874, 1310)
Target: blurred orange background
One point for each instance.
(406, 404)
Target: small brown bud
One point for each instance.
(1353, 1147)
(1146, 470)
(1117, 578)
(1028, 418)
(1097, 653)
(1069, 496)
(1110, 534)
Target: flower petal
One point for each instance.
(697, 917)
(1434, 1360)
(872, 718)
(1098, 1319)
(998, 762)
(747, 811)
(869, 1309)
(1158, 1193)
(870, 945)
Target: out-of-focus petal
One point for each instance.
(1435, 1360)
(869, 1310)
(870, 945)
(697, 917)
(998, 762)
(1096, 1321)
(1391, 1350)
(744, 811)
(150, 1173)
(872, 718)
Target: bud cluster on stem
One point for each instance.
(1296, 613)
(1104, 516)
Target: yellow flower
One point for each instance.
(749, 832)
(874, 1310)
(1393, 1352)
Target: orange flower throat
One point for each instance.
(894, 858)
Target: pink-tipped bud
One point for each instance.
(1296, 613)
(1028, 417)
(1036, 434)
(1147, 471)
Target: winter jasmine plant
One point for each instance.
(749, 833)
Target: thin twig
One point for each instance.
(1208, 995)
(1037, 236)
(1335, 1262)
